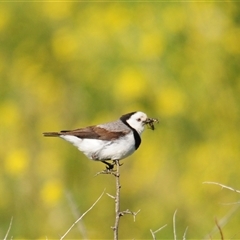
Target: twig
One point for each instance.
(106, 171)
(130, 212)
(154, 232)
(185, 233)
(223, 186)
(65, 234)
(224, 220)
(111, 196)
(174, 225)
(117, 201)
(76, 213)
(9, 228)
(219, 228)
(118, 213)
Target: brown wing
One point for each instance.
(94, 132)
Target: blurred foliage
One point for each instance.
(69, 65)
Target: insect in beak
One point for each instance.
(150, 122)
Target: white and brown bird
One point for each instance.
(110, 141)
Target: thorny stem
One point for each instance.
(118, 213)
(117, 201)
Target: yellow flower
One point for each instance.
(171, 101)
(51, 192)
(17, 162)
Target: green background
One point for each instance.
(73, 64)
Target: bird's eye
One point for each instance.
(139, 119)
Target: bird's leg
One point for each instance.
(109, 166)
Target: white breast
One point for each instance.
(104, 150)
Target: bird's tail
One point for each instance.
(51, 134)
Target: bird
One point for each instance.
(109, 141)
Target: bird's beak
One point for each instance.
(150, 122)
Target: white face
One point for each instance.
(137, 121)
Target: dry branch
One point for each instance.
(185, 233)
(118, 213)
(122, 213)
(65, 234)
(9, 228)
(220, 229)
(222, 222)
(76, 213)
(223, 186)
(117, 201)
(154, 232)
(174, 225)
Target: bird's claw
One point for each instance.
(110, 166)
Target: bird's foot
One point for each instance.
(110, 166)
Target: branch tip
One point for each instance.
(222, 186)
(65, 234)
(154, 232)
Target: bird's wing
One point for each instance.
(95, 132)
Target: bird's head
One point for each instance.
(138, 120)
